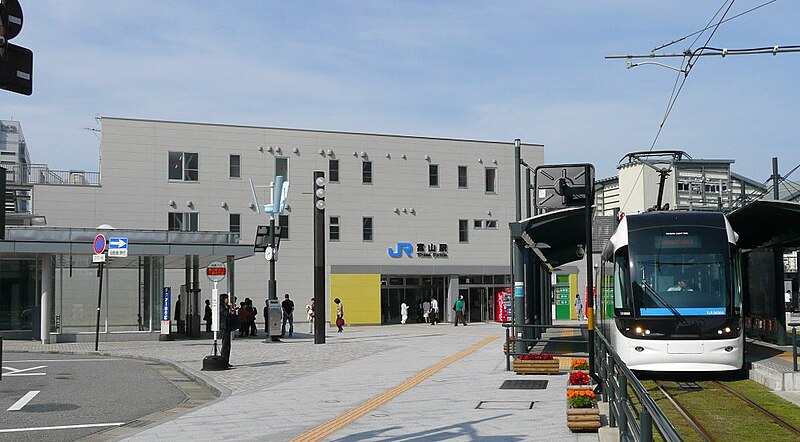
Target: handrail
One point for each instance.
(510, 353)
(616, 377)
(794, 326)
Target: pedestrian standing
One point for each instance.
(225, 313)
(207, 315)
(434, 311)
(403, 312)
(426, 311)
(178, 319)
(310, 315)
(243, 319)
(578, 307)
(288, 315)
(339, 314)
(459, 308)
(252, 312)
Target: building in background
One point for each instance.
(408, 218)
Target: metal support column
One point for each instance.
(319, 258)
(517, 264)
(780, 306)
(47, 283)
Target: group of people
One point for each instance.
(430, 311)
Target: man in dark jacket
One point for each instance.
(224, 313)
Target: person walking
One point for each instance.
(426, 311)
(225, 314)
(434, 311)
(578, 307)
(403, 313)
(288, 315)
(459, 308)
(310, 315)
(207, 315)
(339, 314)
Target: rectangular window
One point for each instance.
(333, 229)
(366, 229)
(462, 177)
(183, 166)
(182, 222)
(433, 175)
(282, 168)
(491, 180)
(477, 224)
(462, 230)
(491, 224)
(333, 171)
(366, 172)
(235, 163)
(283, 221)
(235, 221)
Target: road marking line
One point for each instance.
(332, 426)
(60, 427)
(63, 360)
(23, 401)
(22, 371)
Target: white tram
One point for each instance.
(669, 295)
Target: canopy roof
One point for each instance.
(767, 223)
(555, 234)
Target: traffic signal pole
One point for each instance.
(319, 258)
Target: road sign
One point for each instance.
(99, 245)
(216, 271)
(118, 247)
(100, 257)
(562, 185)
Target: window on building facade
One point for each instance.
(462, 230)
(333, 171)
(333, 229)
(683, 186)
(235, 222)
(491, 224)
(366, 172)
(462, 177)
(283, 221)
(282, 168)
(491, 180)
(477, 224)
(235, 163)
(433, 175)
(183, 166)
(182, 222)
(366, 229)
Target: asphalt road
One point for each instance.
(75, 390)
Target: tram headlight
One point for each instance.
(638, 330)
(727, 329)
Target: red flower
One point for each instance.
(535, 357)
(578, 378)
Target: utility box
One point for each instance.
(274, 318)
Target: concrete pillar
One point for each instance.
(47, 284)
(446, 313)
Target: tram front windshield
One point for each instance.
(680, 271)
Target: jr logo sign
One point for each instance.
(402, 247)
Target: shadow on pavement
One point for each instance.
(464, 429)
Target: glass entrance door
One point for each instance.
(476, 304)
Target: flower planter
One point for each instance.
(536, 367)
(583, 419)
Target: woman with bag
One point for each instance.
(339, 314)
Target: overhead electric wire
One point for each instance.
(708, 26)
(674, 95)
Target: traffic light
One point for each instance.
(16, 62)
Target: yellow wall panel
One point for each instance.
(573, 290)
(361, 297)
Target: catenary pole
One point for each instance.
(518, 265)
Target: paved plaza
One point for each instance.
(389, 383)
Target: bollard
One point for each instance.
(645, 427)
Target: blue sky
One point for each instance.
(481, 70)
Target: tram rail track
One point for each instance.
(695, 422)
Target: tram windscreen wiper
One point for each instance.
(664, 303)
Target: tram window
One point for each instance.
(620, 265)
